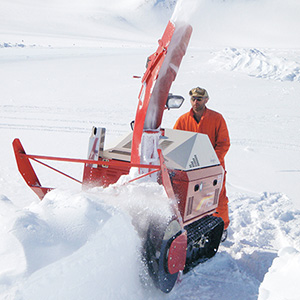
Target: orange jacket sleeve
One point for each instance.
(222, 141)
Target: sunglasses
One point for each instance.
(197, 98)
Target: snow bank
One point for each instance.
(282, 280)
(79, 245)
(107, 264)
(12, 263)
(259, 63)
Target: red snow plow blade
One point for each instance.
(26, 170)
(185, 163)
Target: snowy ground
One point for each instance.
(65, 68)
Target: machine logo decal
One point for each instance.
(207, 199)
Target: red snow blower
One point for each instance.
(185, 163)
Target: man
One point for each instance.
(203, 120)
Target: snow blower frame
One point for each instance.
(185, 163)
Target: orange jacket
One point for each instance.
(212, 124)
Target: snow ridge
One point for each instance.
(258, 63)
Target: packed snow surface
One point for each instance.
(66, 66)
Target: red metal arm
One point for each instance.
(90, 161)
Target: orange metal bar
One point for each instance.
(142, 176)
(90, 161)
(56, 170)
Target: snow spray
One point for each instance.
(184, 10)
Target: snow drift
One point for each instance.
(259, 63)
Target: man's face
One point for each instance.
(198, 103)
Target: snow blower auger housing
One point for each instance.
(185, 163)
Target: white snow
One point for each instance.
(66, 66)
(285, 269)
